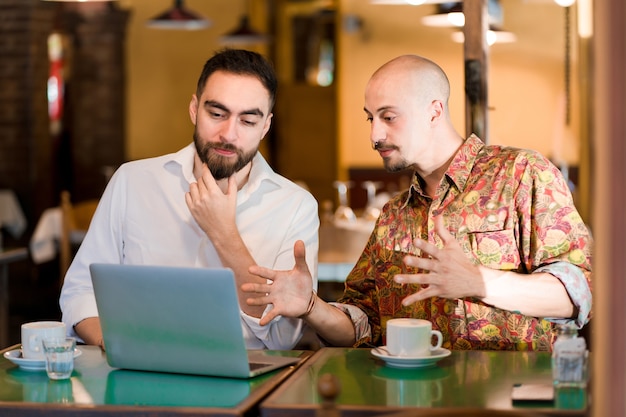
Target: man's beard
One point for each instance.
(391, 166)
(220, 166)
(395, 166)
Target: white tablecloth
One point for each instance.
(12, 217)
(44, 244)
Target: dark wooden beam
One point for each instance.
(476, 53)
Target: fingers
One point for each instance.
(256, 288)
(232, 185)
(266, 319)
(207, 177)
(299, 253)
(261, 301)
(262, 272)
(446, 237)
(419, 296)
(422, 279)
(441, 230)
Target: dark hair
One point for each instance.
(242, 62)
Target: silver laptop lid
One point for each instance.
(170, 319)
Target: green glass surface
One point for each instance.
(472, 379)
(93, 382)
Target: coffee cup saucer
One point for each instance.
(425, 361)
(25, 364)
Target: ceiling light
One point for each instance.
(565, 3)
(178, 17)
(406, 2)
(450, 14)
(493, 36)
(243, 34)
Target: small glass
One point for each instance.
(59, 357)
(569, 359)
(344, 213)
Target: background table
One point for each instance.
(12, 218)
(95, 389)
(466, 380)
(6, 257)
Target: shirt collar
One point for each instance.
(260, 171)
(183, 159)
(459, 170)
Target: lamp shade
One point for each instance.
(243, 34)
(179, 17)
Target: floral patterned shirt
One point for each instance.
(510, 209)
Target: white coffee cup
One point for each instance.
(34, 332)
(411, 337)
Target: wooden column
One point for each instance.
(476, 66)
(95, 114)
(24, 135)
(609, 221)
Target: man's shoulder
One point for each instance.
(518, 155)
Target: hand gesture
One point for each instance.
(289, 292)
(448, 273)
(213, 209)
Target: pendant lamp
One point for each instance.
(243, 34)
(179, 18)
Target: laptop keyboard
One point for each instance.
(256, 365)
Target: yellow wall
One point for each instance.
(526, 81)
(163, 68)
(525, 78)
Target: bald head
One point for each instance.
(415, 75)
(406, 102)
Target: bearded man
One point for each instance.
(214, 203)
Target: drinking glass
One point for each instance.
(344, 212)
(59, 356)
(371, 212)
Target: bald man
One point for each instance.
(486, 243)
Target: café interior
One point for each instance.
(87, 85)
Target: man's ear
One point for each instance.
(268, 123)
(436, 110)
(193, 108)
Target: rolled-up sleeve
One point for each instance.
(577, 286)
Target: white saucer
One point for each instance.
(15, 356)
(410, 362)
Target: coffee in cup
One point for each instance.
(408, 337)
(34, 332)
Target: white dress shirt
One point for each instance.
(143, 218)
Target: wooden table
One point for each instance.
(6, 257)
(472, 383)
(95, 389)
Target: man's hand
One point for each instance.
(90, 331)
(289, 292)
(213, 209)
(448, 273)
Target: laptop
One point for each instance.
(177, 320)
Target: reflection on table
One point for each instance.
(99, 388)
(470, 380)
